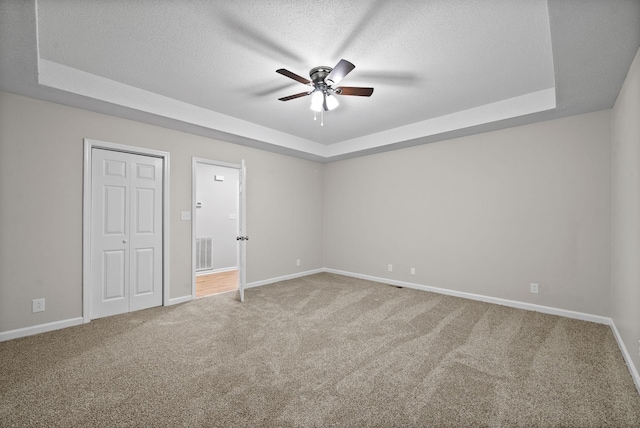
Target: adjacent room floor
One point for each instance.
(214, 283)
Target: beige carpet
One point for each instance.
(323, 350)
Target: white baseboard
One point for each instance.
(498, 301)
(40, 328)
(515, 304)
(283, 278)
(57, 325)
(626, 355)
(212, 271)
(179, 300)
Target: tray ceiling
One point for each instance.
(440, 69)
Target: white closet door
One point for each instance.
(126, 232)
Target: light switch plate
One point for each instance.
(186, 215)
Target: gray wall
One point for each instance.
(625, 243)
(486, 214)
(217, 216)
(41, 161)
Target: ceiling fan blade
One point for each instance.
(343, 68)
(293, 76)
(353, 90)
(292, 97)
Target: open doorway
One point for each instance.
(217, 225)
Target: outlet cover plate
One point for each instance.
(37, 305)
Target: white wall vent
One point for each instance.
(204, 254)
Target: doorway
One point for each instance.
(125, 206)
(218, 224)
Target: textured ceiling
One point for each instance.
(439, 68)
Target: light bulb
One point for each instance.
(332, 102)
(317, 99)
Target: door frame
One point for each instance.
(90, 144)
(241, 217)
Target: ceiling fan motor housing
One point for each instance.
(318, 74)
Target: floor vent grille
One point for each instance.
(204, 254)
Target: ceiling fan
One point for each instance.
(324, 80)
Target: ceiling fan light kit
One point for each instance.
(323, 79)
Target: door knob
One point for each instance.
(124, 241)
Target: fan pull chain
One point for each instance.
(314, 116)
(322, 118)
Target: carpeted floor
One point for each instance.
(322, 350)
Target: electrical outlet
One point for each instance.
(37, 305)
(413, 271)
(390, 268)
(297, 262)
(534, 288)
